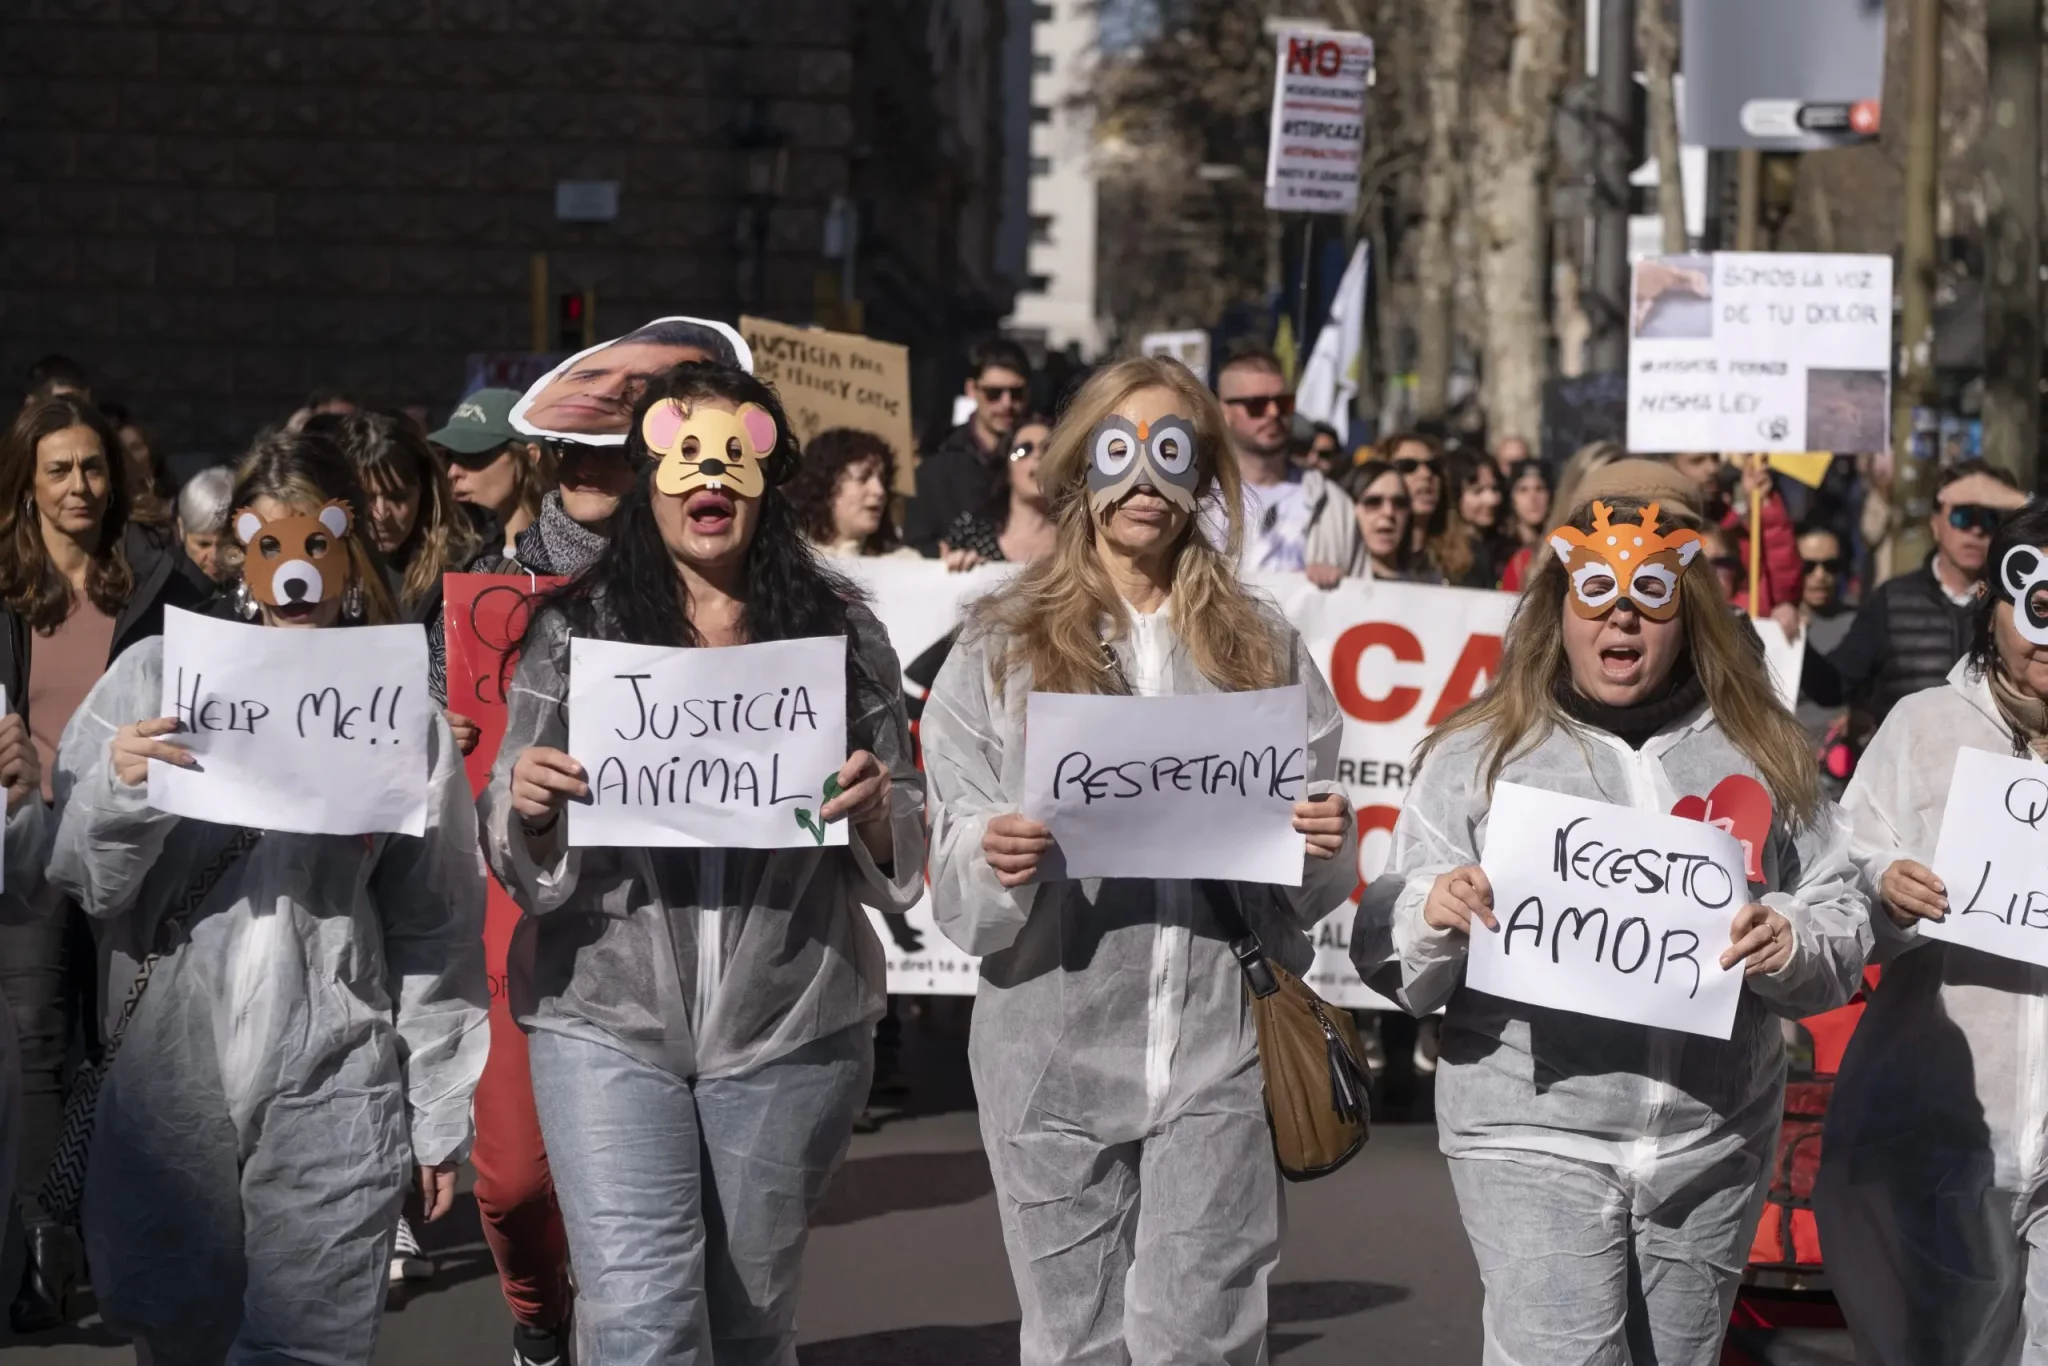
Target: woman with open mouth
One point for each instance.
(700, 1021)
(1610, 1174)
(1112, 1049)
(313, 1019)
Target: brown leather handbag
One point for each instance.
(1315, 1074)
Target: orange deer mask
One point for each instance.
(1616, 563)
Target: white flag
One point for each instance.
(1329, 382)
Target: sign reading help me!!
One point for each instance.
(726, 748)
(1171, 787)
(1609, 911)
(1993, 858)
(317, 732)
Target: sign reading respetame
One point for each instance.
(1760, 351)
(1318, 131)
(727, 748)
(317, 732)
(1993, 857)
(1609, 911)
(835, 379)
(1202, 786)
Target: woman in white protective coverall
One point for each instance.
(700, 1021)
(1114, 1058)
(315, 1025)
(21, 774)
(1610, 1174)
(1934, 1162)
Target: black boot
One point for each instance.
(49, 1280)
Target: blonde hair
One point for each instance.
(1050, 619)
(1519, 711)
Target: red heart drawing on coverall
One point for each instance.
(1740, 805)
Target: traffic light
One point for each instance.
(571, 322)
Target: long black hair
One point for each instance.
(2029, 527)
(633, 593)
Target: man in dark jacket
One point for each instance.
(964, 472)
(1911, 631)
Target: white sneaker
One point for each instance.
(408, 1263)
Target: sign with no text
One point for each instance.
(835, 379)
(483, 617)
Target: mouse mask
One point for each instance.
(2023, 582)
(707, 448)
(1123, 454)
(1617, 562)
(296, 560)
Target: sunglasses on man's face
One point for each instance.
(996, 393)
(1258, 405)
(1380, 502)
(1834, 566)
(1975, 517)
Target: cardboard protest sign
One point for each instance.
(1175, 787)
(483, 616)
(317, 732)
(589, 397)
(835, 379)
(730, 748)
(1993, 857)
(1190, 347)
(1609, 911)
(1760, 351)
(1320, 79)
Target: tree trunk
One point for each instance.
(1657, 45)
(1435, 273)
(1513, 113)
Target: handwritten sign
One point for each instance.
(1760, 351)
(1993, 857)
(1170, 787)
(1609, 911)
(835, 379)
(483, 616)
(708, 749)
(317, 732)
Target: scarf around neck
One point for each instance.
(2028, 716)
(1680, 696)
(557, 543)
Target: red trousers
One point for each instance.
(515, 1193)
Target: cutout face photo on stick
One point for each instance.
(589, 397)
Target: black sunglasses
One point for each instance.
(996, 393)
(1255, 407)
(1373, 502)
(1834, 566)
(1975, 517)
(476, 460)
(1024, 450)
(1407, 465)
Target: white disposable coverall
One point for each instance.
(1609, 1174)
(1114, 1058)
(317, 1030)
(1934, 1163)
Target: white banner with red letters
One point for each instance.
(1399, 657)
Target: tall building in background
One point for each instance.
(1057, 306)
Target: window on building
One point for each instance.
(1038, 284)
(1041, 227)
(1041, 63)
(1041, 165)
(1041, 113)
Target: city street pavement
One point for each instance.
(906, 1266)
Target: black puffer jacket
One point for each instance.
(163, 578)
(1905, 639)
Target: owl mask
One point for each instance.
(706, 448)
(1616, 563)
(295, 561)
(1123, 454)
(2023, 582)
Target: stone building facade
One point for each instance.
(220, 205)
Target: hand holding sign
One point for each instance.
(136, 743)
(1013, 846)
(1910, 891)
(1458, 898)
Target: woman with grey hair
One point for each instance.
(203, 507)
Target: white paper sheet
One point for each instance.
(322, 732)
(1609, 911)
(1171, 787)
(707, 748)
(1993, 857)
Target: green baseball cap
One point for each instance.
(481, 422)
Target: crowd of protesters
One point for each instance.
(687, 1038)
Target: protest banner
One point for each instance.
(707, 749)
(1993, 857)
(835, 379)
(315, 732)
(1760, 351)
(1317, 136)
(482, 618)
(1201, 786)
(1609, 911)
